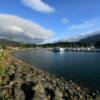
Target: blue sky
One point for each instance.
(55, 19)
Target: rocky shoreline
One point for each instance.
(26, 82)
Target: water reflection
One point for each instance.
(80, 66)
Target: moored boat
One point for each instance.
(58, 49)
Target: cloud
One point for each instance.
(86, 28)
(19, 29)
(85, 25)
(64, 20)
(38, 5)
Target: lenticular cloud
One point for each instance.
(38, 5)
(17, 28)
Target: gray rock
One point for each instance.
(28, 77)
(98, 97)
(19, 94)
(39, 92)
(39, 88)
(58, 95)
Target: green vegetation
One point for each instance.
(3, 54)
(67, 44)
(2, 97)
(3, 68)
(97, 44)
(8, 43)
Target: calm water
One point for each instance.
(78, 66)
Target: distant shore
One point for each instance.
(26, 82)
(75, 49)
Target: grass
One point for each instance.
(3, 54)
(2, 70)
(3, 66)
(2, 74)
(2, 97)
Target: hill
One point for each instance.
(5, 42)
(91, 39)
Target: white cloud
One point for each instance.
(86, 28)
(38, 5)
(64, 20)
(13, 27)
(85, 25)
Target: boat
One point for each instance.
(78, 49)
(58, 49)
(92, 48)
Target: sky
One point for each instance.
(39, 21)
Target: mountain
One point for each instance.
(91, 39)
(14, 43)
(8, 42)
(86, 41)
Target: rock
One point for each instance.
(0, 79)
(75, 98)
(98, 97)
(66, 87)
(7, 91)
(39, 92)
(58, 95)
(28, 77)
(18, 93)
(39, 96)
(35, 79)
(26, 82)
(27, 89)
(49, 93)
(81, 97)
(71, 91)
(91, 98)
(39, 88)
(78, 88)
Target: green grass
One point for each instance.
(3, 54)
(3, 67)
(2, 70)
(2, 74)
(2, 97)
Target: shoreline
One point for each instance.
(25, 81)
(72, 50)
